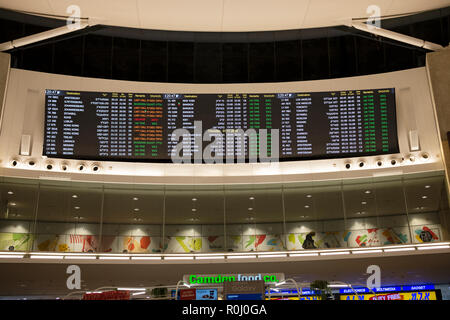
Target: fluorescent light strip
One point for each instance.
(209, 257)
(242, 257)
(13, 256)
(433, 244)
(334, 253)
(399, 249)
(46, 257)
(130, 289)
(11, 252)
(178, 258)
(367, 251)
(338, 286)
(272, 256)
(271, 253)
(139, 293)
(113, 258)
(303, 254)
(74, 257)
(146, 258)
(433, 247)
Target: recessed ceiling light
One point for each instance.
(10, 192)
(306, 206)
(424, 197)
(309, 196)
(135, 198)
(252, 198)
(367, 191)
(193, 209)
(76, 208)
(250, 209)
(136, 209)
(78, 217)
(74, 196)
(364, 202)
(427, 186)
(194, 199)
(12, 204)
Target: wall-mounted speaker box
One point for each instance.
(25, 144)
(414, 140)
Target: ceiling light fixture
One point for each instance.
(306, 206)
(424, 197)
(194, 199)
(74, 196)
(136, 209)
(252, 198)
(367, 191)
(309, 196)
(363, 202)
(10, 192)
(135, 198)
(76, 208)
(427, 187)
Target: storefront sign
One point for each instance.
(388, 289)
(187, 294)
(268, 278)
(296, 298)
(107, 295)
(419, 295)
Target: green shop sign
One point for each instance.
(269, 278)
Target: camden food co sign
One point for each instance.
(268, 278)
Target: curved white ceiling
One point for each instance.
(223, 15)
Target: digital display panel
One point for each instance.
(155, 127)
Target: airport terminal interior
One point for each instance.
(164, 150)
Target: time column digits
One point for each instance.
(147, 125)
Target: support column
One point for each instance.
(438, 69)
(5, 59)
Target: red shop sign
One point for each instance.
(108, 295)
(187, 294)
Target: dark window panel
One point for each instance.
(97, 56)
(125, 59)
(235, 62)
(38, 58)
(208, 63)
(370, 56)
(342, 57)
(430, 30)
(399, 57)
(287, 61)
(153, 61)
(68, 57)
(315, 59)
(261, 62)
(10, 30)
(181, 62)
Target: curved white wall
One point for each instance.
(24, 114)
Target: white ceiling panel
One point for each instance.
(222, 15)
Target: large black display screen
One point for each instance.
(139, 126)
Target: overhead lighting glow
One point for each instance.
(14, 256)
(139, 293)
(130, 289)
(252, 198)
(303, 254)
(363, 202)
(366, 251)
(272, 255)
(13, 204)
(75, 257)
(146, 258)
(113, 258)
(367, 191)
(399, 249)
(309, 196)
(334, 253)
(45, 257)
(306, 206)
(178, 258)
(194, 199)
(424, 197)
(209, 257)
(76, 208)
(136, 209)
(10, 192)
(433, 247)
(74, 196)
(427, 187)
(135, 198)
(242, 257)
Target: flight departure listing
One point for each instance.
(140, 126)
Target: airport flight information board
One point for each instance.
(139, 126)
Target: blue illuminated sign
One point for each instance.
(245, 296)
(388, 289)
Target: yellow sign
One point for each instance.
(419, 295)
(296, 298)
